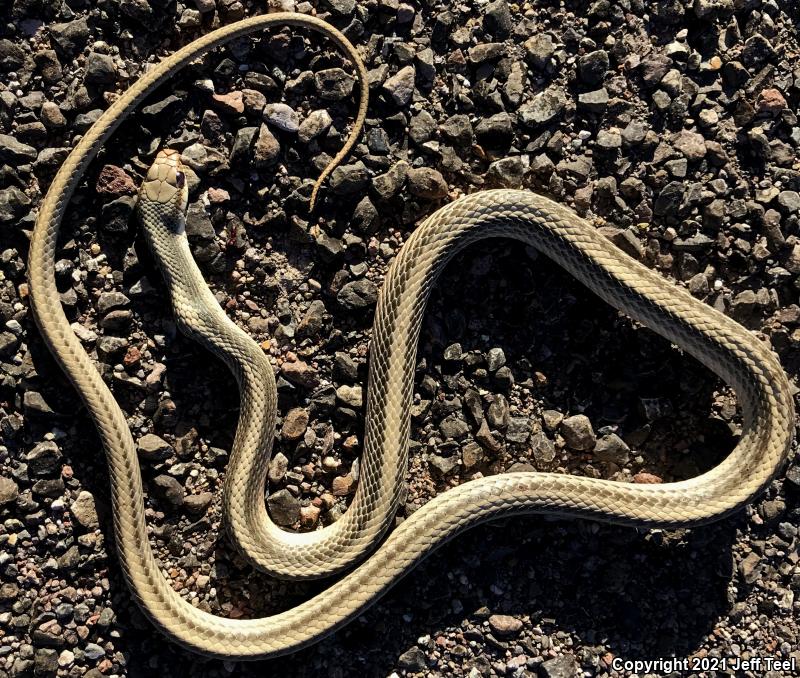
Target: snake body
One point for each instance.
(714, 339)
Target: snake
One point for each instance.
(365, 547)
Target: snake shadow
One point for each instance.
(638, 594)
(640, 597)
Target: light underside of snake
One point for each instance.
(715, 340)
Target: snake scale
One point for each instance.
(714, 339)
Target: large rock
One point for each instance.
(358, 294)
(578, 433)
(168, 490)
(400, 87)
(284, 508)
(8, 490)
(84, 511)
(426, 182)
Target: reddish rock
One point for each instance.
(691, 144)
(309, 515)
(505, 625)
(770, 101)
(343, 485)
(300, 374)
(115, 181)
(294, 424)
(132, 357)
(644, 478)
(218, 195)
(231, 102)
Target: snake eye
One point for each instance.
(180, 179)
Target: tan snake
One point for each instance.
(714, 339)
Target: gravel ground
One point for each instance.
(669, 125)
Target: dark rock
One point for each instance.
(9, 343)
(240, 152)
(654, 68)
(14, 151)
(116, 215)
(425, 66)
(422, 127)
(46, 662)
(496, 131)
(100, 69)
(400, 87)
(165, 106)
(592, 67)
(388, 184)
(153, 447)
(49, 66)
(497, 19)
(342, 7)
(70, 37)
(595, 101)
(625, 239)
(378, 141)
(168, 491)
(313, 320)
(578, 433)
(457, 129)
(197, 504)
(334, 84)
(49, 487)
(428, 183)
(519, 429)
(358, 294)
(12, 56)
(412, 659)
(454, 427)
(284, 508)
(44, 459)
(13, 204)
(713, 9)
(109, 301)
(349, 179)
(443, 466)
(757, 50)
(612, 448)
(507, 172)
(669, 200)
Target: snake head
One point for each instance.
(165, 182)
